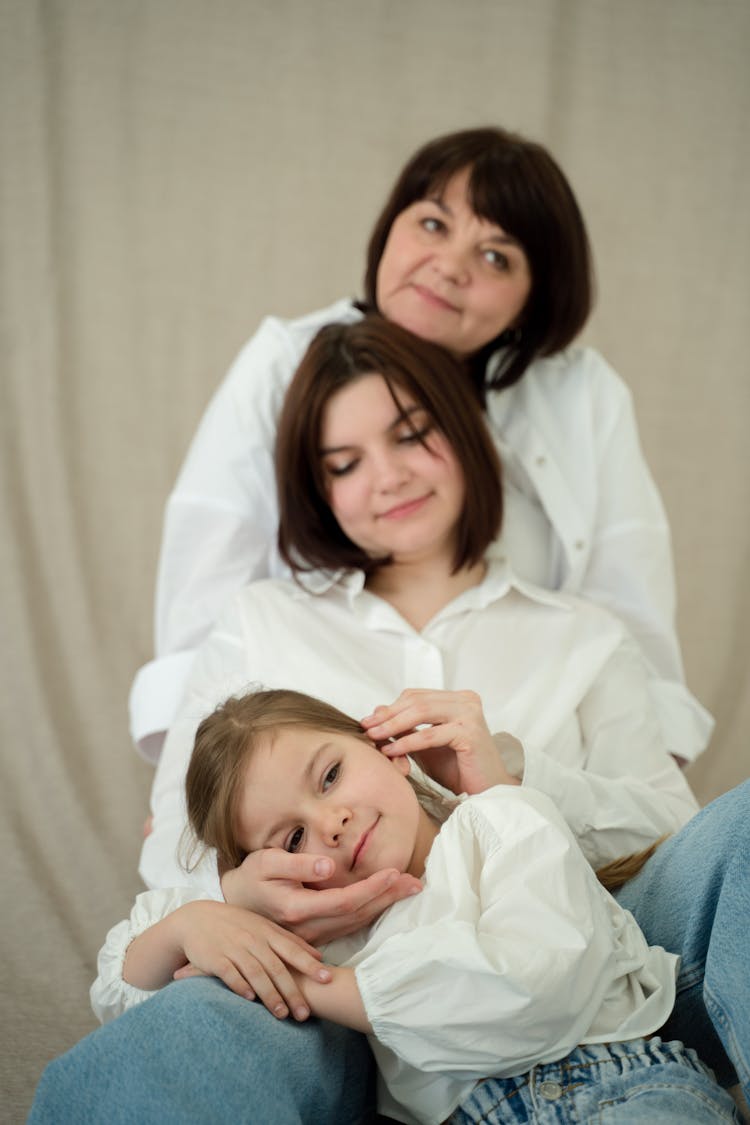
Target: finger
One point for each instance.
(275, 987)
(297, 867)
(188, 971)
(321, 930)
(426, 738)
(294, 954)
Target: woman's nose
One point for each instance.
(390, 472)
(451, 261)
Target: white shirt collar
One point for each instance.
(496, 584)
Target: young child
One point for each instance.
(513, 979)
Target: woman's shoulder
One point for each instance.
(573, 372)
(296, 332)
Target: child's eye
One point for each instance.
(294, 843)
(331, 776)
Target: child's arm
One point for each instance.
(171, 931)
(339, 1000)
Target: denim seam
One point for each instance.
(668, 1086)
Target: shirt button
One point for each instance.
(551, 1091)
(541, 460)
(580, 544)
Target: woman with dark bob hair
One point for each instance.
(480, 248)
(390, 497)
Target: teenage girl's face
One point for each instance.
(392, 480)
(333, 795)
(449, 276)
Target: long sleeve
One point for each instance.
(628, 791)
(571, 424)
(221, 518)
(220, 668)
(110, 994)
(630, 565)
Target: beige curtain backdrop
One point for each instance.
(171, 171)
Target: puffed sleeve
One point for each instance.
(630, 790)
(511, 959)
(110, 995)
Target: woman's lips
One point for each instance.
(407, 508)
(433, 298)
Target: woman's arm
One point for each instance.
(221, 517)
(629, 566)
(626, 792)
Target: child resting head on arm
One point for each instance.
(512, 958)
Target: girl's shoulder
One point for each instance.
(504, 814)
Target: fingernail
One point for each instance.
(324, 974)
(391, 880)
(323, 866)
(281, 1010)
(415, 890)
(301, 1013)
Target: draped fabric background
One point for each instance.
(171, 171)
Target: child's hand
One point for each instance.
(456, 748)
(250, 954)
(272, 882)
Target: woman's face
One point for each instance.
(449, 276)
(393, 482)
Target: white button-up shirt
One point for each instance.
(560, 674)
(512, 955)
(582, 514)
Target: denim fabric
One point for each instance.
(198, 1053)
(693, 898)
(644, 1082)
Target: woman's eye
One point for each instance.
(294, 843)
(496, 259)
(340, 470)
(331, 776)
(432, 225)
(414, 437)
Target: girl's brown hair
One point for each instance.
(516, 184)
(227, 738)
(309, 536)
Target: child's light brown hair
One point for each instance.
(228, 737)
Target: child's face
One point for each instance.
(333, 795)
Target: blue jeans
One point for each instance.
(196, 1052)
(693, 898)
(643, 1082)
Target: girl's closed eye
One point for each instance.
(412, 437)
(341, 469)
